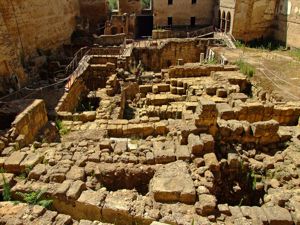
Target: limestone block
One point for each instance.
(225, 112)
(164, 152)
(31, 160)
(12, 164)
(277, 215)
(76, 173)
(90, 203)
(265, 128)
(206, 204)
(195, 144)
(173, 183)
(183, 153)
(208, 143)
(75, 189)
(212, 162)
(37, 171)
(118, 206)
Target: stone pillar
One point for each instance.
(201, 58)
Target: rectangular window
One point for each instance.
(193, 21)
(194, 1)
(170, 2)
(170, 21)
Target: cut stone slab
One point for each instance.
(212, 162)
(90, 204)
(31, 160)
(75, 189)
(278, 216)
(76, 173)
(195, 144)
(206, 204)
(173, 183)
(117, 207)
(12, 164)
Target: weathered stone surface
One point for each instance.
(118, 206)
(211, 161)
(75, 189)
(277, 215)
(12, 164)
(90, 204)
(76, 173)
(164, 152)
(173, 183)
(31, 160)
(265, 128)
(195, 144)
(37, 171)
(206, 204)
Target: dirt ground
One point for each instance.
(276, 71)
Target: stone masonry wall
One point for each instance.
(162, 57)
(30, 121)
(182, 11)
(253, 19)
(28, 25)
(286, 26)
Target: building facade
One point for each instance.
(184, 13)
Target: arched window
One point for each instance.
(223, 21)
(228, 22)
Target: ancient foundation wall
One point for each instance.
(70, 99)
(30, 121)
(161, 57)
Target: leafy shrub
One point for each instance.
(34, 198)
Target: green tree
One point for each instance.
(113, 4)
(146, 4)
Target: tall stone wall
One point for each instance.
(28, 25)
(182, 11)
(96, 11)
(286, 26)
(253, 19)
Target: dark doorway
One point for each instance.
(193, 21)
(144, 26)
(170, 21)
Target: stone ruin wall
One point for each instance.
(161, 57)
(41, 25)
(95, 11)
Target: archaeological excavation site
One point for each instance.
(149, 112)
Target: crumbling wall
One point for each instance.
(30, 121)
(70, 99)
(28, 25)
(159, 57)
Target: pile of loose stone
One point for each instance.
(198, 150)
